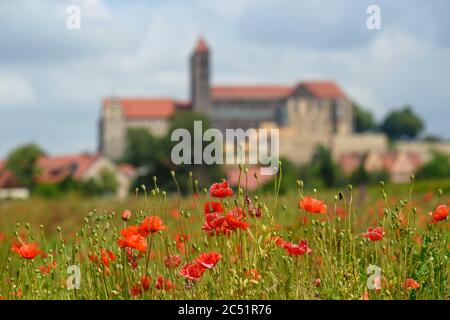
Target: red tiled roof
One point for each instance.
(144, 108)
(259, 92)
(201, 46)
(390, 159)
(323, 89)
(7, 178)
(319, 89)
(350, 162)
(127, 169)
(56, 168)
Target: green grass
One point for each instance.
(411, 248)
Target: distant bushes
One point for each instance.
(437, 167)
(105, 184)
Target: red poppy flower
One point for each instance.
(151, 224)
(107, 257)
(2, 236)
(410, 283)
(172, 261)
(317, 282)
(211, 207)
(136, 290)
(126, 215)
(215, 224)
(145, 282)
(18, 293)
(374, 234)
(234, 219)
(180, 240)
(440, 213)
(297, 249)
(47, 268)
(209, 260)
(253, 274)
(130, 231)
(132, 258)
(92, 257)
(220, 190)
(279, 242)
(192, 271)
(164, 284)
(137, 242)
(175, 213)
(27, 251)
(312, 205)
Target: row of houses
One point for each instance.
(54, 169)
(399, 165)
(398, 162)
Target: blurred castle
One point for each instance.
(308, 113)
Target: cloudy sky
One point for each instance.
(52, 79)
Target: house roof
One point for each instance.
(391, 159)
(53, 169)
(135, 108)
(128, 170)
(349, 162)
(259, 92)
(322, 89)
(319, 89)
(7, 178)
(201, 46)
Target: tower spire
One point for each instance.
(200, 77)
(201, 46)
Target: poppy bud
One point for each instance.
(126, 215)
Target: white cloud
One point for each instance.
(16, 90)
(141, 48)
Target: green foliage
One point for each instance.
(363, 119)
(105, 184)
(321, 171)
(22, 163)
(142, 148)
(437, 167)
(402, 123)
(361, 176)
(160, 159)
(323, 168)
(47, 190)
(291, 173)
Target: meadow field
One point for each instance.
(377, 242)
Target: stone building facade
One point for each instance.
(307, 113)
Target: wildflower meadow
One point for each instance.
(221, 242)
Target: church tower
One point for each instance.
(200, 78)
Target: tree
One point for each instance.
(363, 119)
(22, 163)
(327, 170)
(205, 174)
(291, 174)
(402, 123)
(142, 148)
(437, 167)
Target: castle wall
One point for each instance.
(156, 126)
(113, 135)
(424, 149)
(358, 143)
(300, 148)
